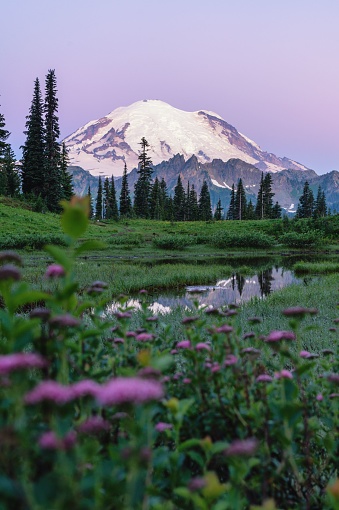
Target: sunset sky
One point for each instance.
(268, 67)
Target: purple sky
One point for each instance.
(268, 67)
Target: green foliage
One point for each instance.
(33, 241)
(107, 410)
(173, 242)
(302, 239)
(242, 240)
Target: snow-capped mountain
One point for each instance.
(103, 146)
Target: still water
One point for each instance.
(235, 289)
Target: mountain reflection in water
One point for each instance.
(236, 289)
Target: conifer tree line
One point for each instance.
(310, 207)
(43, 177)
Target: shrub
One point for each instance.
(34, 241)
(173, 242)
(302, 239)
(242, 240)
(125, 239)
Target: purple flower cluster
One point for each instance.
(20, 361)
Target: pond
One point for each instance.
(235, 289)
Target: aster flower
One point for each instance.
(195, 484)
(299, 311)
(224, 329)
(19, 361)
(54, 271)
(9, 272)
(202, 346)
(283, 374)
(189, 320)
(264, 378)
(162, 426)
(50, 441)
(230, 360)
(51, 391)
(94, 425)
(84, 388)
(40, 313)
(123, 315)
(277, 336)
(10, 256)
(319, 397)
(134, 390)
(242, 448)
(64, 321)
(184, 344)
(144, 337)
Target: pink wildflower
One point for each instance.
(230, 360)
(129, 390)
(19, 361)
(283, 374)
(189, 320)
(224, 329)
(333, 378)
(196, 484)
(319, 397)
(334, 395)
(9, 272)
(250, 350)
(304, 354)
(144, 337)
(93, 425)
(215, 368)
(84, 388)
(118, 340)
(64, 321)
(49, 390)
(162, 426)
(174, 351)
(184, 344)
(187, 380)
(299, 311)
(242, 448)
(202, 346)
(277, 336)
(50, 441)
(54, 271)
(123, 315)
(131, 334)
(264, 378)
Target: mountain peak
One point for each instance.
(103, 146)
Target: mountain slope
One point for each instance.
(103, 146)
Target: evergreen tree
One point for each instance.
(250, 213)
(240, 205)
(67, 188)
(218, 211)
(259, 208)
(205, 209)
(166, 214)
(52, 190)
(231, 210)
(9, 174)
(267, 196)
(276, 211)
(320, 207)
(125, 203)
(98, 206)
(155, 210)
(89, 194)
(107, 211)
(193, 205)
(179, 201)
(33, 152)
(4, 134)
(112, 198)
(306, 203)
(142, 187)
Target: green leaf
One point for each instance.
(74, 222)
(89, 246)
(163, 362)
(188, 444)
(197, 458)
(29, 296)
(59, 256)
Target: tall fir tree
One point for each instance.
(240, 205)
(125, 204)
(164, 201)
(10, 174)
(99, 202)
(306, 203)
(276, 211)
(193, 204)
(259, 208)
(179, 201)
(52, 186)
(4, 134)
(205, 208)
(67, 188)
(218, 211)
(113, 201)
(89, 194)
(107, 211)
(231, 209)
(155, 212)
(320, 207)
(142, 187)
(33, 151)
(268, 196)
(250, 212)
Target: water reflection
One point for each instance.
(235, 289)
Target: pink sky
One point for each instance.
(269, 68)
